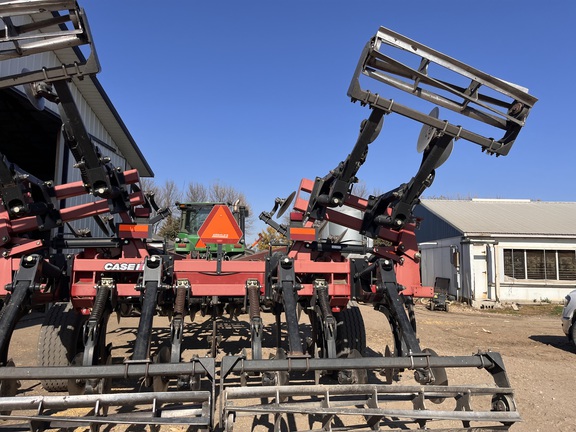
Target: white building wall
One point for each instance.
(533, 290)
(479, 274)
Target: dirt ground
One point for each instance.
(539, 360)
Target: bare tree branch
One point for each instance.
(196, 192)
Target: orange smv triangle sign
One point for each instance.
(220, 227)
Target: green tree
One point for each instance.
(170, 228)
(269, 236)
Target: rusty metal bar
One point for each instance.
(78, 401)
(189, 408)
(204, 366)
(329, 401)
(240, 365)
(364, 389)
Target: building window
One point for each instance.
(551, 267)
(567, 265)
(535, 264)
(514, 263)
(540, 264)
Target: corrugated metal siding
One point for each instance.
(437, 261)
(432, 228)
(92, 122)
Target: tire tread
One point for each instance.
(57, 342)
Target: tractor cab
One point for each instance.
(193, 217)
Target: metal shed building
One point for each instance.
(30, 135)
(498, 250)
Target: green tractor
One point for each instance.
(193, 216)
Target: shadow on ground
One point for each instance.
(556, 341)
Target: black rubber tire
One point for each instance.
(350, 331)
(59, 341)
(573, 334)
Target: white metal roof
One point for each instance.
(502, 216)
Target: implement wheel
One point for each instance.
(59, 341)
(350, 331)
(350, 343)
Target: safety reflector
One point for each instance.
(220, 227)
(302, 234)
(140, 231)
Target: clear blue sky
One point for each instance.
(253, 93)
